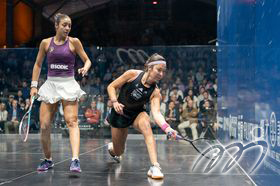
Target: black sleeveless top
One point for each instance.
(134, 95)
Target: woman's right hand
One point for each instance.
(118, 107)
(171, 133)
(33, 92)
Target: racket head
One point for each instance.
(25, 122)
(200, 145)
(24, 126)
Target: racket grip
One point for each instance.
(178, 137)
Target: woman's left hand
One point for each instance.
(83, 71)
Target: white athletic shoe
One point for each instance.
(110, 148)
(155, 172)
(155, 182)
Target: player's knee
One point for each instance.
(45, 125)
(146, 127)
(72, 122)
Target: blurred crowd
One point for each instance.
(189, 88)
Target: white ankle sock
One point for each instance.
(74, 158)
(156, 164)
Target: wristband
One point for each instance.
(113, 101)
(34, 84)
(164, 126)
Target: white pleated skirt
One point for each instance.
(60, 88)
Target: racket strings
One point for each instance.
(25, 122)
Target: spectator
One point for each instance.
(107, 111)
(95, 86)
(100, 106)
(209, 116)
(165, 88)
(202, 105)
(200, 97)
(22, 107)
(177, 93)
(174, 99)
(85, 86)
(92, 114)
(25, 90)
(200, 75)
(14, 117)
(82, 105)
(172, 115)
(10, 102)
(192, 97)
(189, 119)
(107, 77)
(19, 97)
(3, 116)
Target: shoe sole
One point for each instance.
(116, 159)
(76, 171)
(41, 170)
(155, 177)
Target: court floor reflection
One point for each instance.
(19, 161)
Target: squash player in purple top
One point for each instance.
(59, 86)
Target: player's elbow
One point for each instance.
(37, 66)
(110, 88)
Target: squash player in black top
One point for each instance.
(136, 89)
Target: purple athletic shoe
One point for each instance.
(45, 165)
(75, 166)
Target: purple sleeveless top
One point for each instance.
(60, 59)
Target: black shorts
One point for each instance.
(122, 121)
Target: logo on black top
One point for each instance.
(137, 93)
